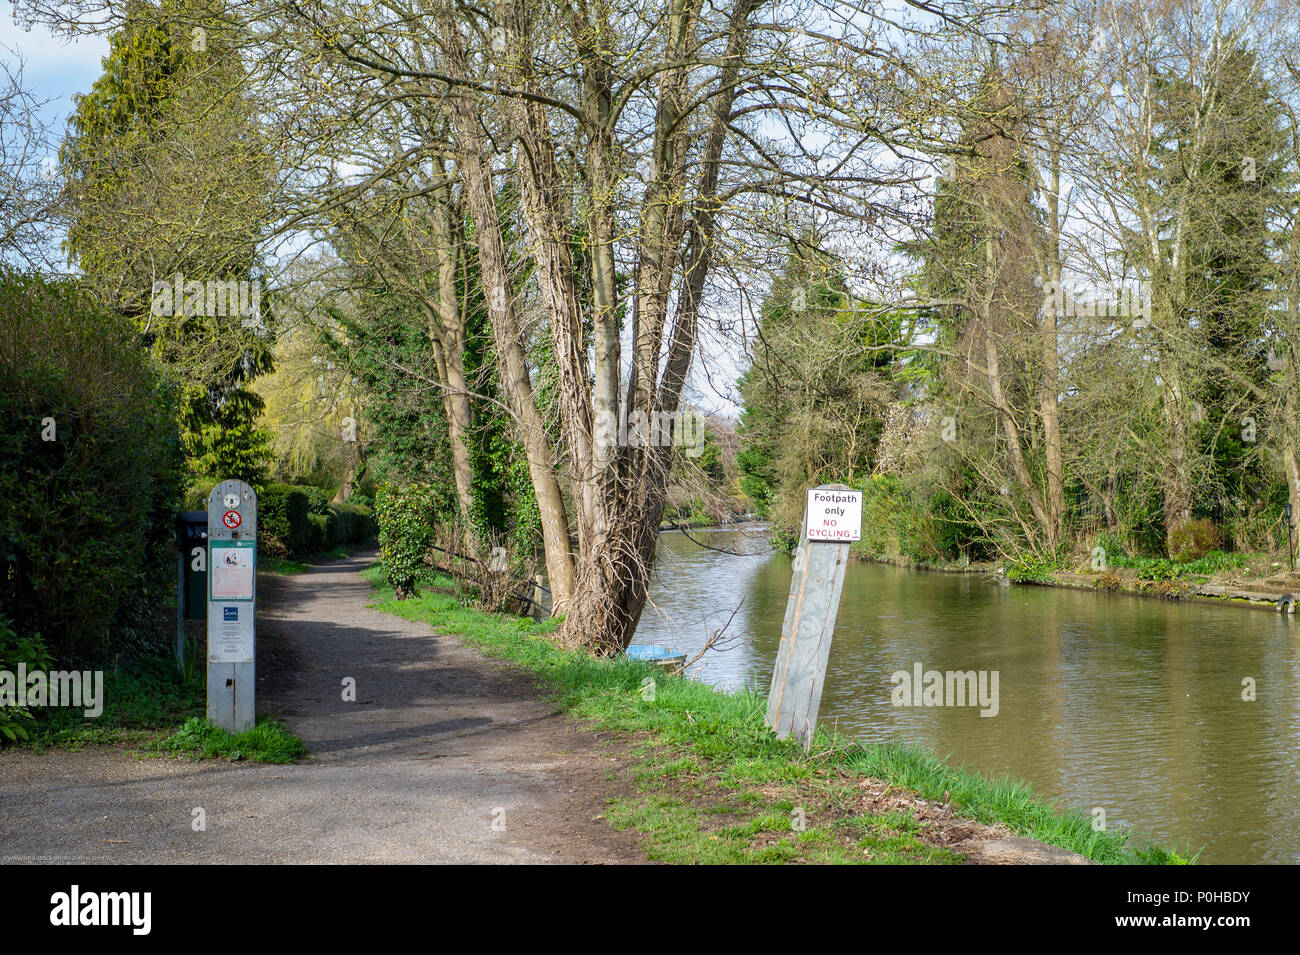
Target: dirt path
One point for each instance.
(440, 744)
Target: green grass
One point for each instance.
(713, 784)
(266, 742)
(286, 566)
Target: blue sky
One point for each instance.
(54, 68)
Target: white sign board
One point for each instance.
(834, 515)
(230, 633)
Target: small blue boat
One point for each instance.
(666, 657)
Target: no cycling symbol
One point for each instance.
(231, 519)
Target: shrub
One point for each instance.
(358, 499)
(196, 495)
(406, 526)
(1155, 568)
(1113, 545)
(1193, 539)
(270, 545)
(344, 521)
(14, 650)
(86, 530)
(1167, 589)
(950, 527)
(487, 573)
(366, 527)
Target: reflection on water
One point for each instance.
(1130, 704)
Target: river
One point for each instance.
(1123, 703)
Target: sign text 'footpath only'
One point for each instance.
(834, 515)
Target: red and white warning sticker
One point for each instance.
(231, 519)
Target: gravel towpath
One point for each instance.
(446, 756)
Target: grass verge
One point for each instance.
(267, 742)
(712, 784)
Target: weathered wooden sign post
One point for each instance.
(832, 519)
(232, 593)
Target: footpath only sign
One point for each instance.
(834, 515)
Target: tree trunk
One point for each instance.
(449, 337)
(512, 362)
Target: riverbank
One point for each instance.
(1250, 586)
(709, 783)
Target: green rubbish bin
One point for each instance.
(192, 539)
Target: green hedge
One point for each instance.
(282, 511)
(89, 474)
(353, 523)
(318, 532)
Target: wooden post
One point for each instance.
(832, 519)
(232, 593)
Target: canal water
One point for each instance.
(1125, 703)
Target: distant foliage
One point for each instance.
(290, 523)
(902, 520)
(1032, 570)
(360, 499)
(891, 520)
(89, 473)
(816, 394)
(317, 500)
